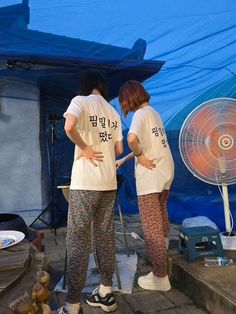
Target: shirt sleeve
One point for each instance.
(119, 134)
(135, 124)
(75, 107)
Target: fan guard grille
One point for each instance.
(207, 141)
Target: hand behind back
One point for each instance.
(91, 155)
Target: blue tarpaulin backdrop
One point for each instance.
(197, 42)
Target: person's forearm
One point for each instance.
(133, 143)
(135, 148)
(72, 131)
(128, 157)
(120, 162)
(119, 148)
(125, 158)
(75, 137)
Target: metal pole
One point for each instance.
(226, 208)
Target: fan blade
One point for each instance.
(203, 122)
(201, 160)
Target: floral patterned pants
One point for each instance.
(156, 227)
(90, 219)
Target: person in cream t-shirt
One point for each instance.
(148, 127)
(94, 126)
(154, 173)
(99, 125)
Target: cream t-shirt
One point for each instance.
(147, 125)
(99, 125)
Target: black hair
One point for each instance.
(90, 80)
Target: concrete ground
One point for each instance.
(210, 287)
(140, 301)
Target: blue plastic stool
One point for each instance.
(199, 241)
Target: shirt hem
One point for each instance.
(93, 188)
(152, 191)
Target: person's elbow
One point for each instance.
(69, 129)
(70, 125)
(119, 149)
(132, 139)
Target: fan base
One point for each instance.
(228, 242)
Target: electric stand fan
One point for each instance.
(207, 144)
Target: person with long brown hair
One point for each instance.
(154, 172)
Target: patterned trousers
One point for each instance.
(90, 217)
(156, 227)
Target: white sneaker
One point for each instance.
(152, 282)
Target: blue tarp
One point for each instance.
(195, 39)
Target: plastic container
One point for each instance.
(218, 261)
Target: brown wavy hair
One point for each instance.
(132, 95)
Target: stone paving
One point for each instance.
(140, 301)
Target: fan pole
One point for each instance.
(226, 207)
